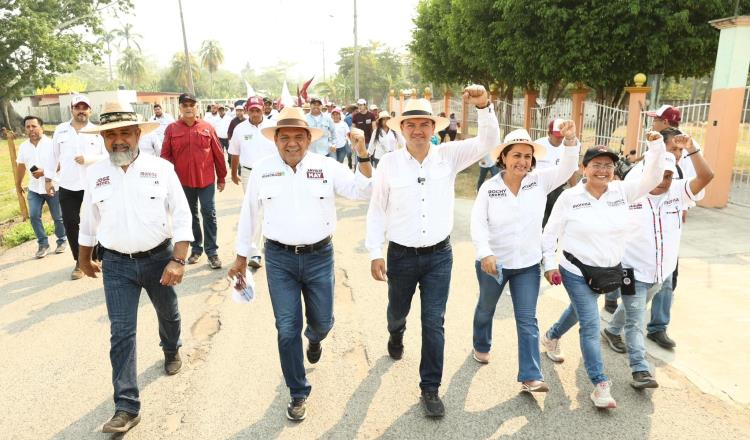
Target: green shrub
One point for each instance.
(22, 232)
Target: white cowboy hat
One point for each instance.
(120, 114)
(383, 114)
(519, 136)
(418, 108)
(292, 117)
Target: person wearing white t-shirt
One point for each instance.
(651, 253)
(33, 155)
(383, 140)
(506, 228)
(590, 221)
(340, 135)
(553, 143)
(164, 119)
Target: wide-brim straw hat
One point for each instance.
(519, 136)
(120, 114)
(418, 108)
(383, 114)
(292, 117)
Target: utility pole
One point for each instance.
(187, 54)
(356, 55)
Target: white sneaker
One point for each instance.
(602, 397)
(554, 352)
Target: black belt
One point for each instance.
(301, 248)
(422, 250)
(145, 254)
(247, 168)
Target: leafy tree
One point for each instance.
(42, 39)
(107, 40)
(63, 84)
(126, 35)
(211, 57)
(176, 78)
(131, 67)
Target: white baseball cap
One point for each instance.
(77, 99)
(361, 101)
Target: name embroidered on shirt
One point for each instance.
(314, 174)
(272, 174)
(102, 181)
(635, 206)
(148, 174)
(582, 205)
(494, 193)
(619, 202)
(528, 186)
(671, 201)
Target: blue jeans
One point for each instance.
(123, 280)
(291, 279)
(483, 174)
(630, 315)
(341, 153)
(661, 307)
(36, 201)
(208, 212)
(524, 291)
(432, 273)
(583, 307)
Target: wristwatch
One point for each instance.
(179, 261)
(361, 160)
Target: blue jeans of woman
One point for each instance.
(124, 278)
(583, 309)
(432, 273)
(524, 291)
(291, 279)
(36, 202)
(483, 174)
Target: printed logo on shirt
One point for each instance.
(102, 181)
(248, 137)
(272, 174)
(671, 201)
(497, 193)
(315, 174)
(618, 202)
(529, 186)
(635, 206)
(582, 205)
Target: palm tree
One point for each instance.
(107, 40)
(178, 69)
(211, 58)
(126, 35)
(131, 67)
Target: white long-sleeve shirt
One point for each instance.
(299, 208)
(250, 144)
(66, 145)
(595, 230)
(134, 211)
(412, 202)
(388, 141)
(509, 226)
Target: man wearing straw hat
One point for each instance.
(412, 207)
(296, 190)
(134, 207)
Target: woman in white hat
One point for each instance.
(506, 228)
(384, 140)
(590, 223)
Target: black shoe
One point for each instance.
(643, 379)
(194, 257)
(122, 421)
(296, 409)
(662, 340)
(314, 350)
(214, 262)
(396, 347)
(614, 341)
(172, 362)
(610, 305)
(433, 406)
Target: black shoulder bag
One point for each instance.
(599, 279)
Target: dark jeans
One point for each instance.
(452, 134)
(374, 162)
(208, 212)
(524, 291)
(441, 135)
(70, 205)
(433, 275)
(36, 202)
(551, 199)
(291, 279)
(342, 153)
(123, 280)
(493, 170)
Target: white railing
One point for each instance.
(603, 125)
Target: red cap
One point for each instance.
(254, 102)
(666, 112)
(554, 127)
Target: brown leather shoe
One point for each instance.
(172, 362)
(122, 421)
(77, 273)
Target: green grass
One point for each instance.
(21, 233)
(8, 199)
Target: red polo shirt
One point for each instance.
(195, 152)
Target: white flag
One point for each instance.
(286, 97)
(249, 89)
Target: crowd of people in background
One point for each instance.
(539, 215)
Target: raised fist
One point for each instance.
(683, 141)
(568, 130)
(476, 94)
(653, 136)
(358, 141)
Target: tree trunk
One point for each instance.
(9, 118)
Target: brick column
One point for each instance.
(529, 97)
(578, 96)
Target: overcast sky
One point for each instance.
(265, 32)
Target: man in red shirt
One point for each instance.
(192, 146)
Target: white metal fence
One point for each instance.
(603, 125)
